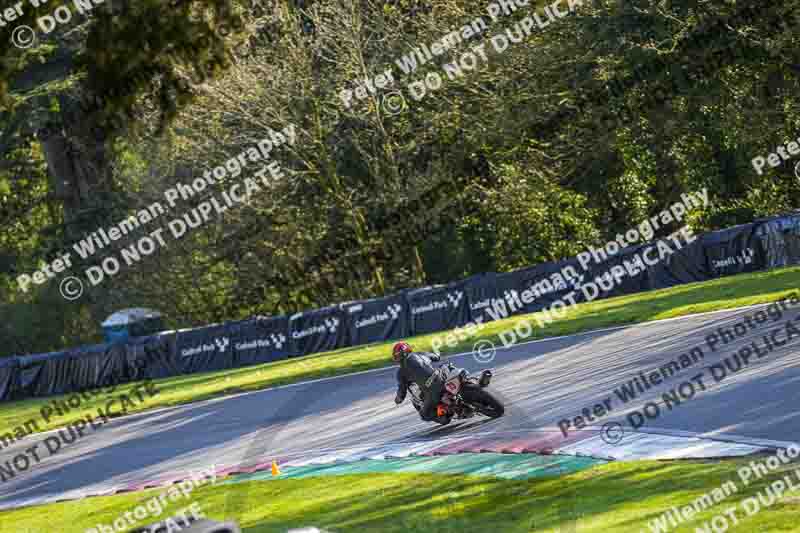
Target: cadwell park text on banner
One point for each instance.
(763, 244)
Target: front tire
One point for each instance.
(486, 403)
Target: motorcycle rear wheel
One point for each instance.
(484, 401)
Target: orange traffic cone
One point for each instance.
(275, 470)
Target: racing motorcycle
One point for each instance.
(463, 395)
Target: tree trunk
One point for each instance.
(75, 152)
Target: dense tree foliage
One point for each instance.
(577, 132)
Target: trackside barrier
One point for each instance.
(761, 245)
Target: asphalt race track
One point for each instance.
(542, 382)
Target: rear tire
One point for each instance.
(486, 402)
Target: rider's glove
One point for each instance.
(436, 357)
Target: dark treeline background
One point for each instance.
(506, 167)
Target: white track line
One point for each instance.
(387, 368)
(547, 339)
(462, 354)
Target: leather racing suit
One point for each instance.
(416, 368)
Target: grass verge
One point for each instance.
(724, 293)
(619, 497)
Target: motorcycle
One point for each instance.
(463, 395)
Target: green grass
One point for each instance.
(724, 293)
(618, 497)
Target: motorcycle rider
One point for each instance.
(416, 367)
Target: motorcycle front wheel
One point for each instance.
(484, 401)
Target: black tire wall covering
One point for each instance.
(761, 245)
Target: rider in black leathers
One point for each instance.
(416, 367)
